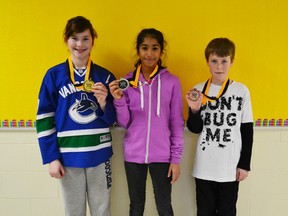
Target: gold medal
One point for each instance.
(88, 85)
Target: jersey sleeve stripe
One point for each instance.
(45, 124)
(45, 115)
(46, 133)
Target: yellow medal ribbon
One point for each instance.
(134, 82)
(71, 68)
(221, 92)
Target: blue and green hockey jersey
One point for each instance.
(70, 124)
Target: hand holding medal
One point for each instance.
(88, 84)
(100, 92)
(115, 90)
(194, 99)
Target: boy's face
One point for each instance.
(219, 68)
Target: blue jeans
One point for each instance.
(136, 177)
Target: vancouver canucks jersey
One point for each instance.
(70, 124)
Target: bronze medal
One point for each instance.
(194, 95)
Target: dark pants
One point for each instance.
(136, 178)
(216, 198)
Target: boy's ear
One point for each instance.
(232, 60)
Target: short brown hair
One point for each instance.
(78, 24)
(221, 47)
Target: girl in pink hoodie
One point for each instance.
(150, 110)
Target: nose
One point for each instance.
(149, 52)
(79, 43)
(219, 66)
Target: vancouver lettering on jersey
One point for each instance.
(67, 90)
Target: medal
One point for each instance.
(194, 95)
(88, 85)
(123, 84)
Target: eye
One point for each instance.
(213, 61)
(144, 48)
(156, 48)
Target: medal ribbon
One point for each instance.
(222, 91)
(72, 77)
(134, 82)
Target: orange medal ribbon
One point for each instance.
(71, 69)
(221, 92)
(134, 82)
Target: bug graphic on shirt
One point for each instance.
(203, 145)
(221, 145)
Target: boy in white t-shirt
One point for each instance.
(220, 112)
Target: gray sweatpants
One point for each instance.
(93, 183)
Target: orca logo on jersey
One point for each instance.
(83, 110)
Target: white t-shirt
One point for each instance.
(219, 143)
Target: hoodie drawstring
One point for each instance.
(141, 95)
(158, 95)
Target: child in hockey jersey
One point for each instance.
(220, 112)
(75, 112)
(151, 112)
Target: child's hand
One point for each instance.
(116, 92)
(194, 105)
(100, 92)
(174, 169)
(56, 169)
(241, 174)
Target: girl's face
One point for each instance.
(219, 68)
(149, 53)
(80, 45)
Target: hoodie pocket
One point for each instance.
(135, 140)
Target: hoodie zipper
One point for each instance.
(149, 123)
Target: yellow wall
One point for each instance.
(31, 42)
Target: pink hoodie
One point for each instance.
(152, 117)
